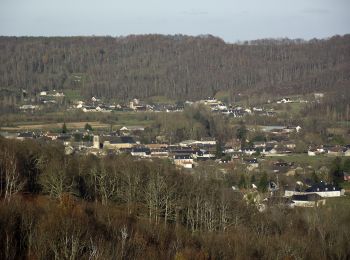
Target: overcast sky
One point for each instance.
(231, 20)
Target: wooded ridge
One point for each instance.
(178, 67)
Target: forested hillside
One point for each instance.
(55, 206)
(179, 67)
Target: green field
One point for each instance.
(74, 120)
(305, 160)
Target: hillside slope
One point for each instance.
(179, 67)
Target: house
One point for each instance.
(312, 152)
(28, 107)
(141, 152)
(117, 142)
(89, 109)
(249, 151)
(257, 109)
(26, 135)
(183, 160)
(159, 153)
(290, 129)
(326, 190)
(157, 146)
(57, 94)
(187, 143)
(259, 144)
(323, 189)
(101, 108)
(207, 141)
(252, 164)
(276, 152)
(137, 106)
(289, 145)
(52, 136)
(284, 101)
(308, 200)
(93, 99)
(318, 95)
(127, 129)
(204, 155)
(183, 151)
(347, 152)
(113, 142)
(335, 151)
(320, 149)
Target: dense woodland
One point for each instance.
(55, 206)
(178, 67)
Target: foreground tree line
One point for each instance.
(68, 207)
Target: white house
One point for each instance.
(308, 200)
(185, 161)
(322, 189)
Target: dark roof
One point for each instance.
(251, 160)
(119, 139)
(307, 197)
(184, 151)
(322, 187)
(182, 157)
(141, 150)
(282, 164)
(27, 135)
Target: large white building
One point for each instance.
(322, 189)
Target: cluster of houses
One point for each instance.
(218, 106)
(44, 98)
(314, 195)
(335, 150)
(188, 153)
(287, 100)
(96, 105)
(185, 154)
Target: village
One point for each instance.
(274, 156)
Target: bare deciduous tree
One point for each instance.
(11, 182)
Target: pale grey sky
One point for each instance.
(231, 20)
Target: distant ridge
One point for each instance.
(175, 66)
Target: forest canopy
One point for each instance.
(178, 67)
